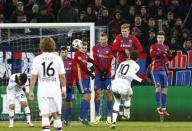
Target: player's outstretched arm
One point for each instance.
(32, 84)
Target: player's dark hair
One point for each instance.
(63, 48)
(161, 33)
(134, 55)
(103, 34)
(23, 78)
(47, 44)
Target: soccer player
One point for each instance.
(102, 56)
(68, 64)
(121, 85)
(18, 85)
(160, 55)
(83, 74)
(125, 41)
(49, 69)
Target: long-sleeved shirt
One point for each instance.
(81, 61)
(160, 55)
(68, 65)
(121, 43)
(102, 57)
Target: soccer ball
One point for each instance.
(76, 43)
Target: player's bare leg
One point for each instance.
(27, 113)
(97, 105)
(117, 102)
(109, 105)
(57, 121)
(11, 115)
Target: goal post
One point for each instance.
(19, 45)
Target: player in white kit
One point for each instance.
(49, 69)
(18, 85)
(121, 85)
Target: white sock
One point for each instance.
(45, 124)
(58, 125)
(114, 115)
(116, 109)
(28, 114)
(11, 116)
(127, 105)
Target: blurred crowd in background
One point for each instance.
(146, 17)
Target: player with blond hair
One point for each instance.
(49, 69)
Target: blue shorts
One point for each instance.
(70, 94)
(99, 84)
(84, 86)
(160, 78)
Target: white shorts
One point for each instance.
(48, 105)
(20, 96)
(124, 91)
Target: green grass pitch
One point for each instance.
(121, 126)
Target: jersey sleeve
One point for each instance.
(116, 45)
(139, 47)
(34, 70)
(135, 77)
(78, 60)
(133, 73)
(137, 67)
(61, 66)
(96, 61)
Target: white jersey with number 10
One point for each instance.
(48, 67)
(126, 72)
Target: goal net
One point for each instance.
(19, 44)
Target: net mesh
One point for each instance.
(18, 47)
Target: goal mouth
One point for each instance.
(19, 44)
